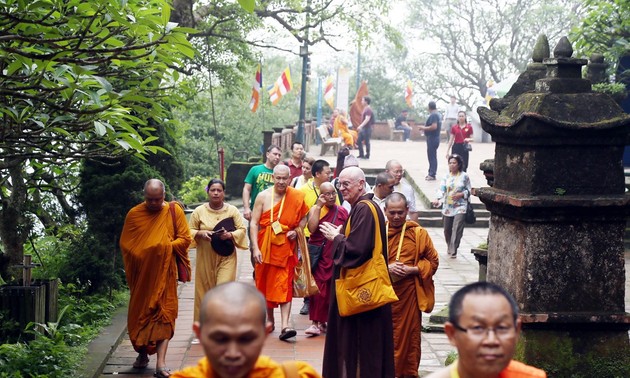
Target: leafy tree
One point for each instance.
(469, 43)
(78, 80)
(605, 29)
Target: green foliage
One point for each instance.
(605, 29)
(58, 347)
(79, 80)
(193, 190)
(560, 191)
(615, 90)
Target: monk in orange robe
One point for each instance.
(150, 242)
(484, 326)
(341, 130)
(412, 264)
(232, 331)
(278, 212)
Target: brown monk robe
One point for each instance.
(149, 247)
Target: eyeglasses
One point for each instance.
(398, 172)
(343, 184)
(500, 331)
(331, 194)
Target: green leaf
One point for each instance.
(248, 5)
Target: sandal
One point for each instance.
(287, 333)
(162, 372)
(141, 362)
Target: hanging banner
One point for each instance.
(343, 88)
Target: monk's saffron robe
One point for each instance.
(415, 293)
(265, 367)
(515, 369)
(274, 277)
(149, 247)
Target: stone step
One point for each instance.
(437, 222)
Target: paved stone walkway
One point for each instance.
(451, 275)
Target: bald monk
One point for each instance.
(232, 330)
(149, 247)
(412, 265)
(483, 325)
(278, 212)
(361, 345)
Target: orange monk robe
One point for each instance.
(274, 277)
(515, 369)
(265, 367)
(415, 294)
(149, 247)
(340, 130)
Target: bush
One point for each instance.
(59, 347)
(194, 190)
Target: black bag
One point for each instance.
(315, 253)
(468, 146)
(470, 214)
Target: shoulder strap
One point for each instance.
(171, 208)
(290, 369)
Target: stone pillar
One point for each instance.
(267, 137)
(558, 217)
(596, 69)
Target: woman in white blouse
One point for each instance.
(453, 195)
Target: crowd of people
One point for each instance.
(345, 225)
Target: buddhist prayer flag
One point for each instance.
(409, 94)
(329, 92)
(256, 87)
(281, 87)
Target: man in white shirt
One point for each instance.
(383, 187)
(450, 117)
(394, 168)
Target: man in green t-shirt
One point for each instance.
(259, 178)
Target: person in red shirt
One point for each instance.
(461, 137)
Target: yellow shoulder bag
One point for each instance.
(368, 286)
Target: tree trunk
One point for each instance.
(14, 224)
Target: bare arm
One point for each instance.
(247, 193)
(365, 122)
(314, 213)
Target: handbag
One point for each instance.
(467, 146)
(470, 214)
(368, 286)
(304, 284)
(184, 271)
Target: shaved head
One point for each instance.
(153, 185)
(353, 173)
(281, 168)
(327, 186)
(235, 295)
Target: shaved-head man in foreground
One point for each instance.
(232, 329)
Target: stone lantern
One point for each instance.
(559, 213)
